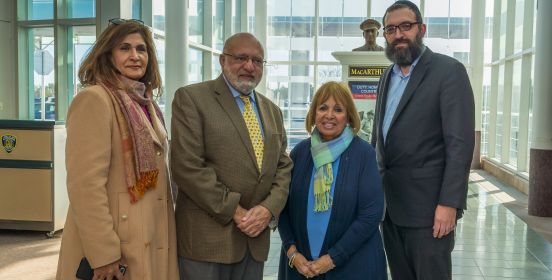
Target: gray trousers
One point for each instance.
(246, 269)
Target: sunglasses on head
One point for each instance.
(117, 21)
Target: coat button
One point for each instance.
(158, 153)
(124, 217)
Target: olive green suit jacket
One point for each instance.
(214, 166)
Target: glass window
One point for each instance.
(436, 9)
(378, 8)
(459, 28)
(236, 16)
(251, 16)
(503, 17)
(448, 27)
(35, 9)
(43, 78)
(158, 15)
(328, 73)
(488, 41)
(331, 28)
(437, 27)
(83, 39)
(81, 8)
(499, 113)
(460, 8)
(463, 57)
(514, 130)
(160, 50)
(518, 32)
(195, 68)
(195, 18)
(535, 24)
(331, 18)
(218, 24)
(291, 28)
(278, 85)
(301, 91)
(136, 9)
(291, 88)
(48, 64)
(355, 9)
(158, 10)
(339, 27)
(217, 69)
(485, 112)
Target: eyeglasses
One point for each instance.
(117, 21)
(405, 26)
(242, 59)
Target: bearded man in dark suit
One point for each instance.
(424, 138)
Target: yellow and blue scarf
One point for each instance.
(323, 155)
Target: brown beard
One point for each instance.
(404, 56)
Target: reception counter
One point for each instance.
(33, 193)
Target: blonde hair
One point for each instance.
(342, 95)
(98, 65)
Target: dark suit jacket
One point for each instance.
(214, 166)
(426, 158)
(352, 239)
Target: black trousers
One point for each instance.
(414, 254)
(247, 269)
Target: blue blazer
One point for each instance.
(353, 239)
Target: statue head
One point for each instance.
(370, 30)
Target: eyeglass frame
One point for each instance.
(392, 29)
(117, 21)
(242, 59)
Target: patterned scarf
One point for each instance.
(323, 155)
(138, 147)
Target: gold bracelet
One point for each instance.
(291, 258)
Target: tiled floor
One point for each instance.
(492, 242)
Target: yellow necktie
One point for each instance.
(254, 130)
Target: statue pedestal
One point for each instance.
(361, 71)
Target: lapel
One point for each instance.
(415, 80)
(303, 196)
(381, 104)
(226, 100)
(157, 129)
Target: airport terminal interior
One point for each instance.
(506, 232)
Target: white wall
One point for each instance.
(8, 55)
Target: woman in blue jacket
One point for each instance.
(330, 225)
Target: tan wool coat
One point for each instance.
(101, 223)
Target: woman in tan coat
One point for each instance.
(121, 209)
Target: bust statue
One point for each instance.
(370, 31)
